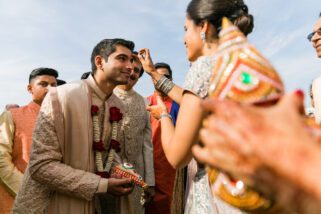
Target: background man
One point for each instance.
(138, 138)
(16, 127)
(315, 38)
(164, 172)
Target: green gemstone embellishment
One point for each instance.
(247, 78)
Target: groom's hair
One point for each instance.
(106, 47)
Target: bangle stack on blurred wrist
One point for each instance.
(164, 85)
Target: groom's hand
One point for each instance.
(119, 186)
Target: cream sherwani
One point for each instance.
(138, 143)
(60, 176)
(9, 175)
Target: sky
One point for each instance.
(61, 35)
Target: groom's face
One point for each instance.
(119, 65)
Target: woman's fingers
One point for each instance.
(209, 104)
(292, 101)
(226, 109)
(155, 111)
(203, 155)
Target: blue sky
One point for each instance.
(61, 34)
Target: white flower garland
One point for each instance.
(112, 151)
(97, 138)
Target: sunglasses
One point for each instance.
(309, 37)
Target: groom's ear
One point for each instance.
(99, 62)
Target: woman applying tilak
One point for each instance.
(202, 24)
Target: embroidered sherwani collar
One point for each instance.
(92, 83)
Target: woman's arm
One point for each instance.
(177, 142)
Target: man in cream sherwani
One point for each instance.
(138, 136)
(60, 177)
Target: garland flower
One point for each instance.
(98, 145)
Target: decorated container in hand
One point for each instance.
(126, 170)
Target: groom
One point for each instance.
(62, 174)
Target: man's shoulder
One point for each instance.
(71, 86)
(14, 110)
(145, 101)
(72, 90)
(72, 93)
(21, 109)
(5, 116)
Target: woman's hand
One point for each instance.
(148, 65)
(159, 109)
(223, 155)
(276, 137)
(146, 60)
(254, 130)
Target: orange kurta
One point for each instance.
(164, 172)
(6, 201)
(24, 119)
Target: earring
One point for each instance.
(203, 36)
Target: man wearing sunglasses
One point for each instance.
(315, 37)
